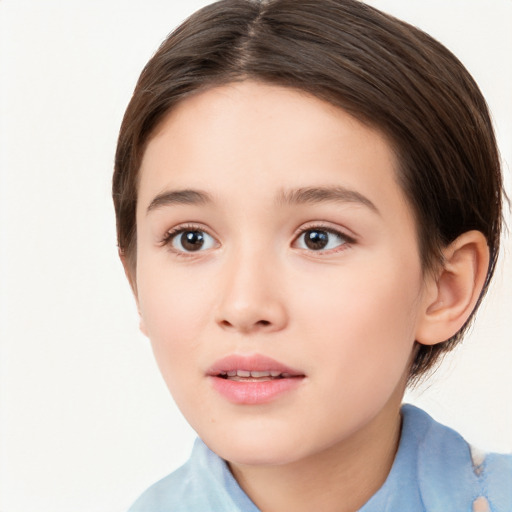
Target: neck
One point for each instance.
(341, 478)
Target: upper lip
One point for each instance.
(251, 363)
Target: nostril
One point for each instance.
(226, 324)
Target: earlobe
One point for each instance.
(142, 326)
(130, 275)
(129, 271)
(451, 295)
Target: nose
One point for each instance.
(251, 298)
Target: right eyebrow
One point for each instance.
(171, 197)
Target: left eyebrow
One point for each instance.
(172, 197)
(315, 195)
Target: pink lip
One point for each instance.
(251, 392)
(252, 363)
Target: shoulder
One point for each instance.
(451, 471)
(170, 493)
(203, 484)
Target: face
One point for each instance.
(278, 275)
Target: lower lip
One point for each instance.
(254, 393)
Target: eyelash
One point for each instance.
(175, 232)
(348, 240)
(171, 235)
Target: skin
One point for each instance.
(346, 316)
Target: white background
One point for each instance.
(86, 422)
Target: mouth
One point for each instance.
(255, 376)
(252, 367)
(252, 380)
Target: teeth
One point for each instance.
(260, 374)
(253, 374)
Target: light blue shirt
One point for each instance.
(435, 470)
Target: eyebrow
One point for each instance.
(316, 195)
(303, 195)
(173, 197)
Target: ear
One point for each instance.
(129, 271)
(452, 293)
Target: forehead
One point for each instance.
(252, 138)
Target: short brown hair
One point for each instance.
(381, 70)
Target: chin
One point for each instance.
(246, 455)
(260, 446)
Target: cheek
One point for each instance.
(172, 308)
(168, 298)
(365, 320)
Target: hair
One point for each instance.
(383, 71)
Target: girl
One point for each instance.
(308, 201)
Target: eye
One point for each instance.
(190, 240)
(316, 239)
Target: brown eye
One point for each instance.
(320, 239)
(316, 240)
(192, 240)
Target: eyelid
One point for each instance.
(170, 234)
(326, 226)
(344, 233)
